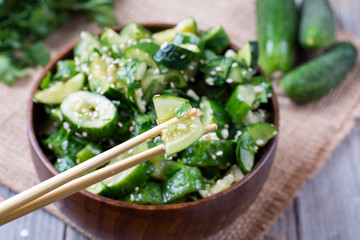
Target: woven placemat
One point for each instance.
(308, 133)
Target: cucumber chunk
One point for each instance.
(188, 38)
(184, 181)
(240, 102)
(135, 31)
(59, 90)
(176, 56)
(214, 112)
(249, 53)
(91, 114)
(179, 136)
(65, 69)
(89, 151)
(255, 136)
(154, 82)
(143, 51)
(100, 189)
(99, 80)
(64, 163)
(113, 42)
(216, 39)
(165, 107)
(216, 69)
(173, 168)
(149, 193)
(220, 153)
(125, 182)
(188, 25)
(87, 43)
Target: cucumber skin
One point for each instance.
(317, 23)
(277, 32)
(319, 76)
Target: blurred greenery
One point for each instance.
(24, 26)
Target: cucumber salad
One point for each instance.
(120, 85)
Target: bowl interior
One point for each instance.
(36, 114)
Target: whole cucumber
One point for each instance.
(317, 24)
(317, 77)
(277, 31)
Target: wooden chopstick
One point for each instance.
(88, 180)
(50, 184)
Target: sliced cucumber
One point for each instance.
(249, 53)
(143, 51)
(184, 181)
(89, 151)
(214, 112)
(176, 56)
(99, 80)
(83, 50)
(173, 168)
(125, 182)
(112, 40)
(100, 189)
(160, 165)
(216, 39)
(154, 82)
(240, 102)
(58, 91)
(179, 136)
(149, 193)
(188, 25)
(255, 136)
(261, 133)
(165, 107)
(135, 31)
(188, 38)
(236, 74)
(64, 163)
(91, 114)
(216, 70)
(65, 69)
(220, 153)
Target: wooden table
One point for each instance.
(327, 208)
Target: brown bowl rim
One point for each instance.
(35, 144)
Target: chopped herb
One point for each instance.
(182, 110)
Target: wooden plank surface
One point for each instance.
(327, 208)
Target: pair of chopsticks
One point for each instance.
(74, 180)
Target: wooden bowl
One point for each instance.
(110, 219)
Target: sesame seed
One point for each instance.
(224, 133)
(219, 153)
(183, 56)
(259, 142)
(219, 69)
(213, 73)
(229, 80)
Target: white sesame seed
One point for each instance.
(192, 94)
(219, 153)
(24, 233)
(219, 69)
(259, 142)
(224, 133)
(136, 189)
(132, 198)
(210, 81)
(229, 80)
(213, 73)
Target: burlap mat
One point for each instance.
(308, 133)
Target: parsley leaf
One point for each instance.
(182, 110)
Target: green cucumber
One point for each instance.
(126, 181)
(59, 90)
(154, 82)
(240, 102)
(89, 151)
(135, 31)
(255, 136)
(113, 42)
(216, 39)
(91, 114)
(64, 163)
(65, 69)
(149, 193)
(188, 38)
(220, 153)
(216, 70)
(100, 189)
(55, 114)
(319, 76)
(143, 51)
(98, 79)
(317, 24)
(184, 181)
(214, 112)
(277, 32)
(173, 168)
(176, 56)
(249, 53)
(188, 25)
(179, 136)
(86, 45)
